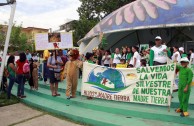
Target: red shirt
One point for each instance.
(20, 66)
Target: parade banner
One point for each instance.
(50, 41)
(147, 85)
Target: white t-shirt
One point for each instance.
(35, 57)
(178, 57)
(159, 55)
(106, 61)
(117, 58)
(192, 57)
(138, 58)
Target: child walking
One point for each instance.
(184, 89)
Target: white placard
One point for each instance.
(52, 41)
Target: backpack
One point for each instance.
(26, 68)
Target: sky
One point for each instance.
(41, 13)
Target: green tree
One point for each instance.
(18, 40)
(91, 12)
(2, 35)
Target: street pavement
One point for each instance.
(21, 115)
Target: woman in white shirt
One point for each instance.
(106, 58)
(116, 57)
(176, 55)
(135, 61)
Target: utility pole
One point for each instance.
(13, 7)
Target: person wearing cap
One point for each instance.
(158, 53)
(182, 52)
(184, 88)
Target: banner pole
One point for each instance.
(170, 103)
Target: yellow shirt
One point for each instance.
(46, 54)
(121, 66)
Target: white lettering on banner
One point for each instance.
(148, 85)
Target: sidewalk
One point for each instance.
(21, 115)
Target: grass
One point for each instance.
(4, 101)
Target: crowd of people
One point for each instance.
(58, 67)
(131, 57)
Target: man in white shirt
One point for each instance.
(158, 53)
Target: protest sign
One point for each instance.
(50, 41)
(147, 85)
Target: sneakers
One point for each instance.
(184, 114)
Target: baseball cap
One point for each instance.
(184, 59)
(158, 37)
(181, 49)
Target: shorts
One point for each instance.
(52, 77)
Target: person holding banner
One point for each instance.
(54, 64)
(184, 89)
(158, 53)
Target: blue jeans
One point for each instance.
(21, 83)
(45, 71)
(11, 83)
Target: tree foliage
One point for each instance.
(91, 12)
(18, 40)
